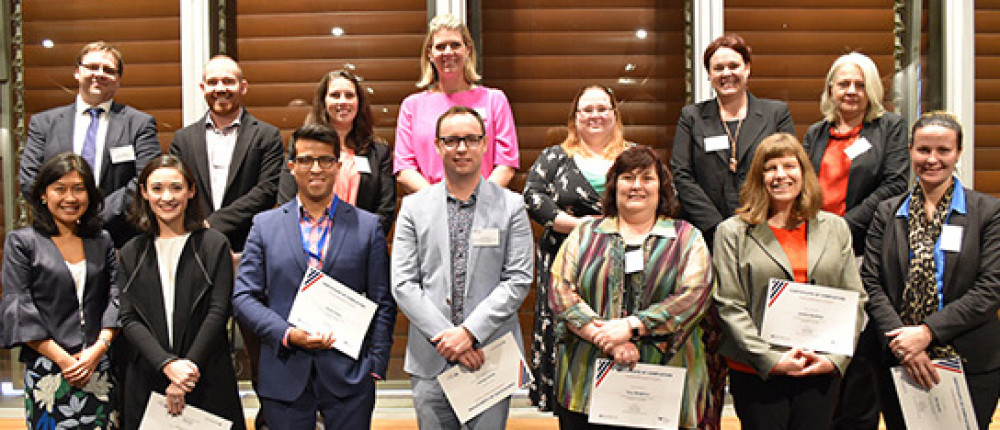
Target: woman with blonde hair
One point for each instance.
(859, 153)
(448, 74)
(779, 232)
(563, 189)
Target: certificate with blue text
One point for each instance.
(810, 316)
(470, 392)
(947, 405)
(323, 304)
(646, 396)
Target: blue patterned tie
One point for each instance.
(90, 142)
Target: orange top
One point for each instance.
(348, 178)
(835, 169)
(793, 242)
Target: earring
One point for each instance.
(44, 202)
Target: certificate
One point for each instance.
(945, 406)
(472, 392)
(647, 396)
(324, 305)
(156, 417)
(810, 316)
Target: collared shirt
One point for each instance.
(219, 144)
(957, 205)
(316, 232)
(460, 217)
(80, 126)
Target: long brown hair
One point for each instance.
(362, 132)
(755, 202)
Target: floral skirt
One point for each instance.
(51, 403)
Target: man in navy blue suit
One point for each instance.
(299, 372)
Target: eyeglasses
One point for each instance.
(472, 141)
(594, 110)
(306, 161)
(94, 68)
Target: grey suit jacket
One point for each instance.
(253, 174)
(747, 256)
(51, 133)
(499, 277)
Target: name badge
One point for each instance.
(362, 164)
(633, 261)
(716, 143)
(951, 238)
(857, 148)
(487, 237)
(122, 154)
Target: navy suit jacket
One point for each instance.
(270, 272)
(51, 133)
(253, 174)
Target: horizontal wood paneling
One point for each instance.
(987, 90)
(314, 23)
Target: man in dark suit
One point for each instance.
(115, 139)
(299, 372)
(236, 158)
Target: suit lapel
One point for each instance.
(753, 127)
(64, 128)
(292, 232)
(818, 148)
(245, 135)
(762, 234)
(816, 244)
(900, 229)
(147, 292)
(200, 151)
(194, 284)
(712, 123)
(343, 221)
(438, 233)
(957, 219)
(116, 126)
(484, 211)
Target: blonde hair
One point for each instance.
(428, 75)
(873, 87)
(571, 145)
(755, 203)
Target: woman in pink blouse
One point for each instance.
(448, 72)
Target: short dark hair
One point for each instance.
(638, 157)
(51, 171)
(459, 110)
(731, 41)
(317, 132)
(362, 128)
(142, 214)
(101, 45)
(939, 118)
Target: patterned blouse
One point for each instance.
(674, 293)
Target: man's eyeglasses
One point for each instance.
(471, 141)
(94, 68)
(306, 161)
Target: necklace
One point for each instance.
(732, 142)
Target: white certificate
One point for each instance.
(945, 406)
(324, 305)
(647, 396)
(810, 316)
(156, 417)
(472, 392)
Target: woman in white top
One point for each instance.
(176, 280)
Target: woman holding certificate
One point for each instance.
(779, 232)
(60, 301)
(176, 280)
(926, 302)
(634, 287)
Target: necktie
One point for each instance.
(90, 142)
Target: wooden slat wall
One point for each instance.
(146, 33)
(286, 47)
(987, 126)
(794, 42)
(542, 52)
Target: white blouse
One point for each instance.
(168, 255)
(78, 271)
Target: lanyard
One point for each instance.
(324, 234)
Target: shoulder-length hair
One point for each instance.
(755, 202)
(89, 224)
(873, 87)
(638, 157)
(428, 75)
(571, 145)
(142, 214)
(362, 131)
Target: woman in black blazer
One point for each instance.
(60, 301)
(859, 153)
(919, 318)
(716, 139)
(342, 103)
(176, 280)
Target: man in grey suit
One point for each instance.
(235, 157)
(461, 266)
(115, 139)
